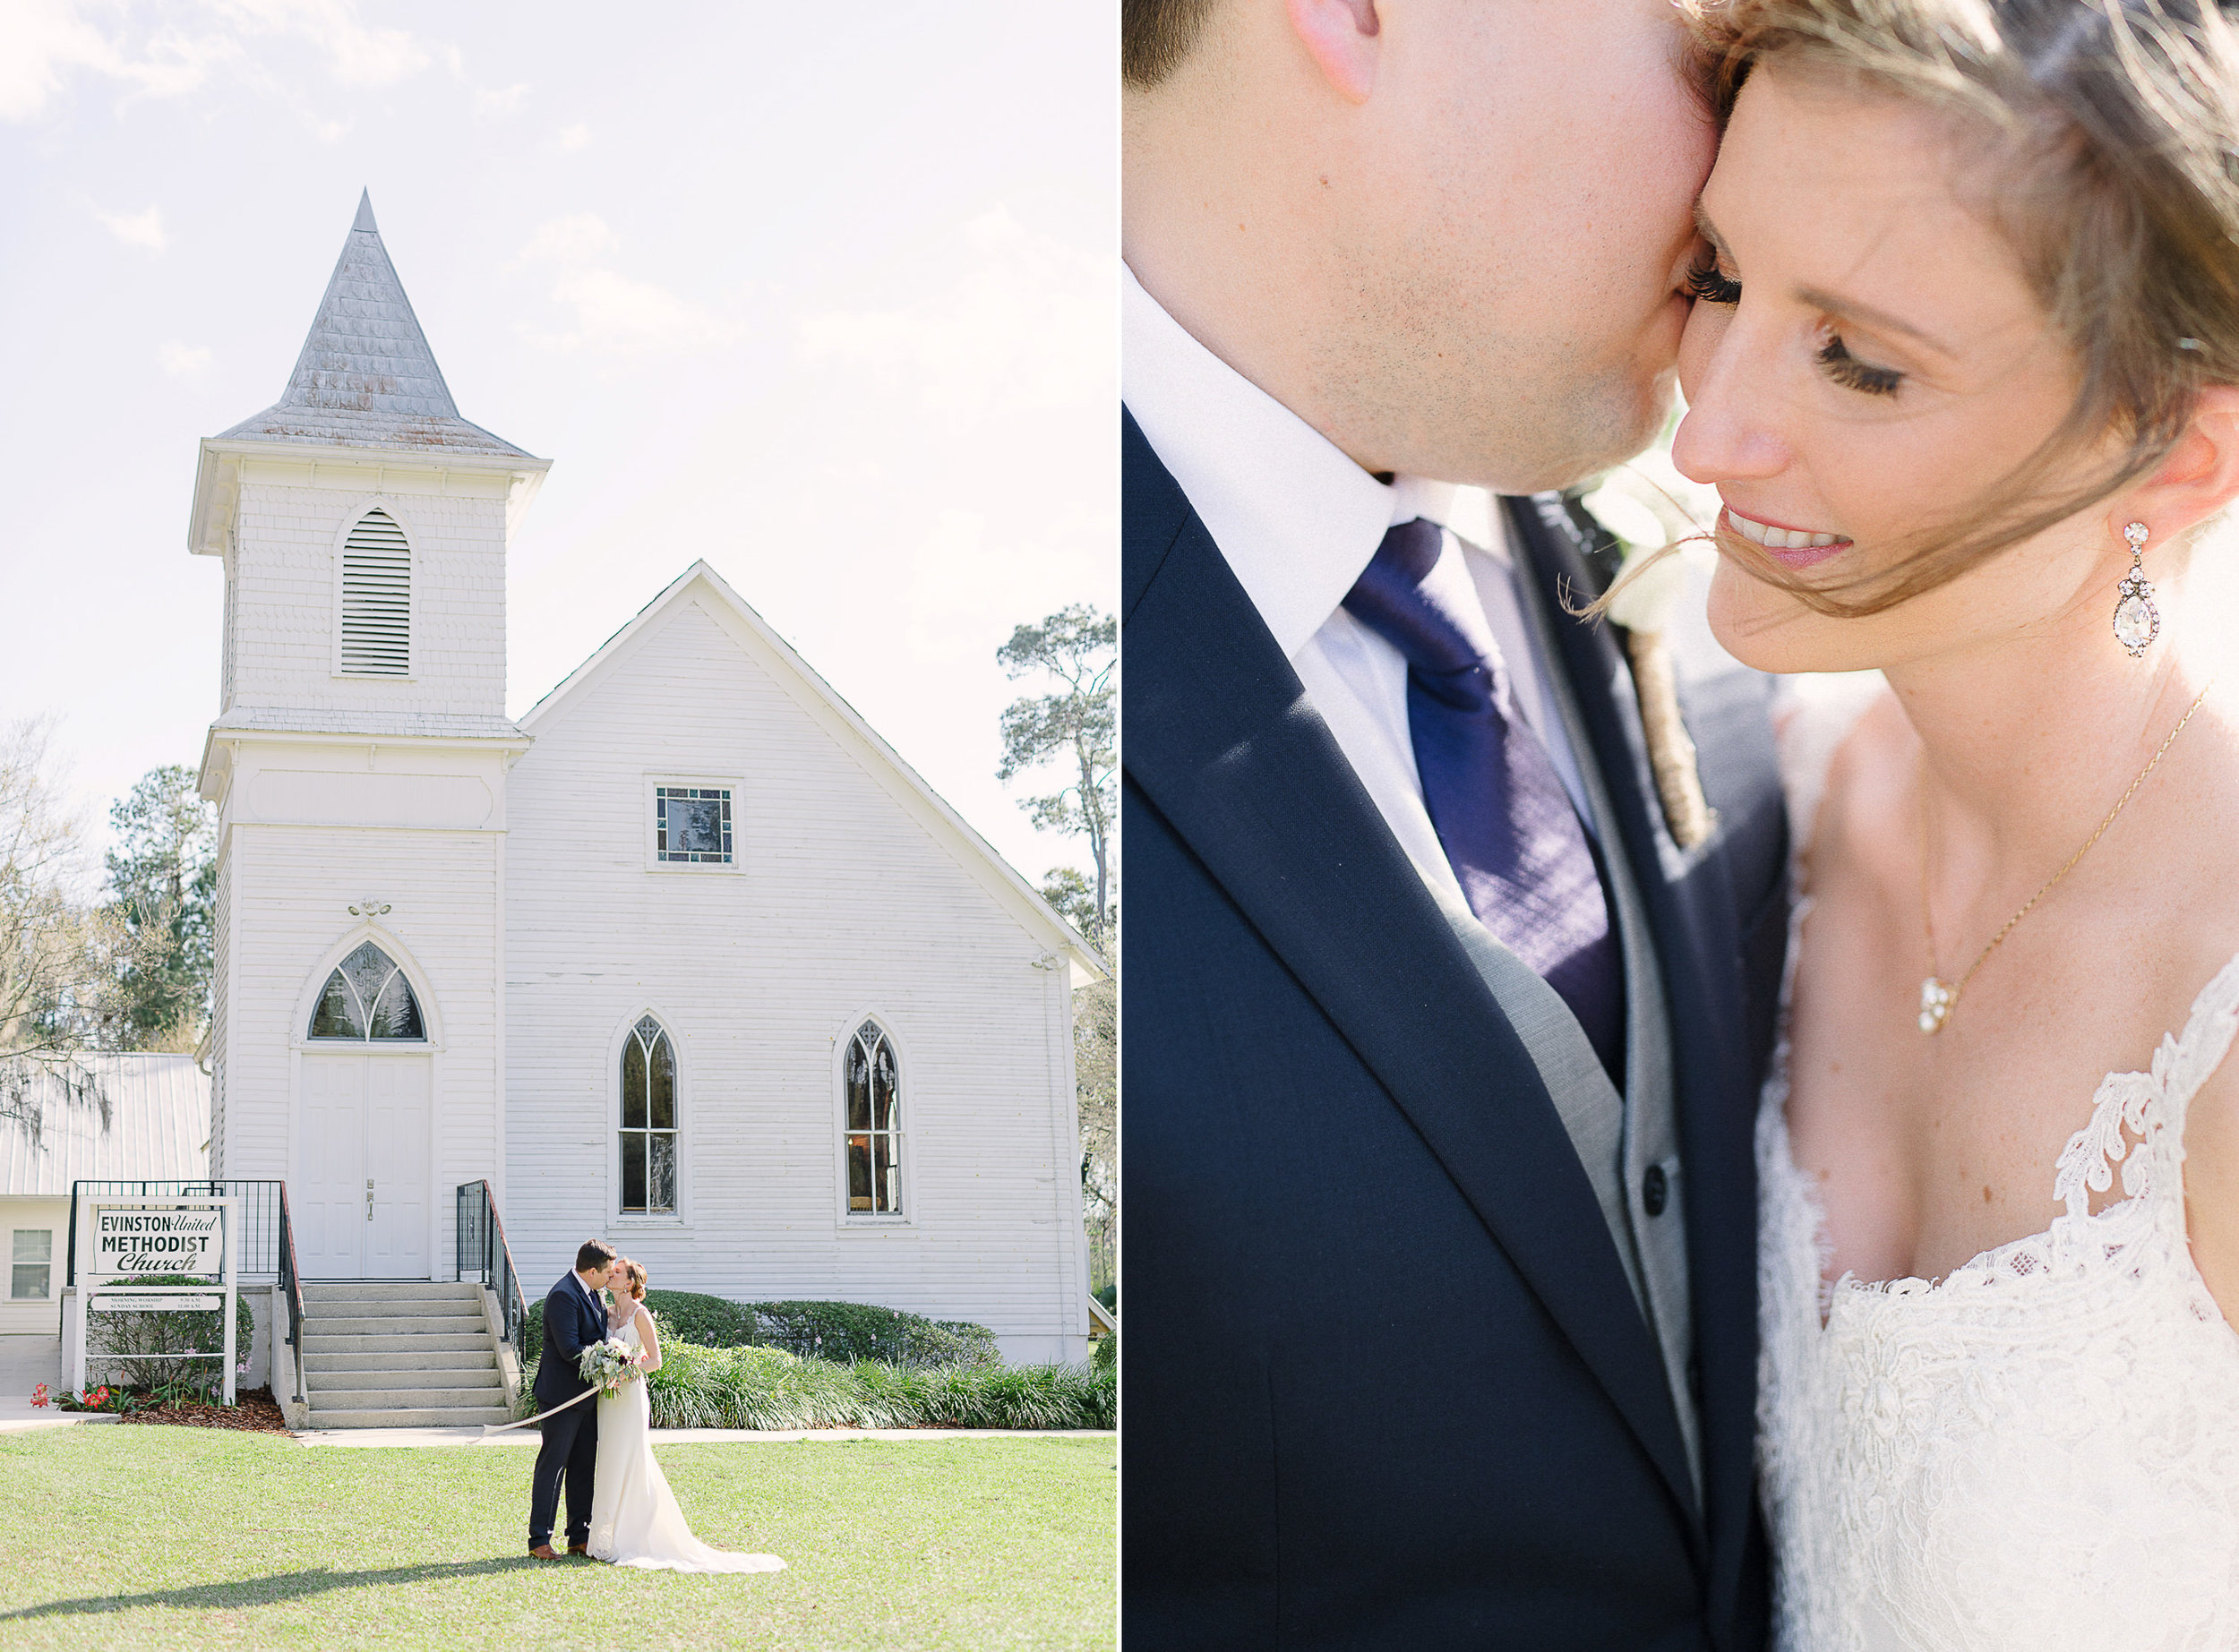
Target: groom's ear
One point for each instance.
(1341, 36)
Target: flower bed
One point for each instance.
(253, 1412)
(183, 1405)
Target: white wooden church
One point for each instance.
(686, 958)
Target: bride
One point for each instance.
(634, 1517)
(1962, 371)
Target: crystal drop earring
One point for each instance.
(2136, 621)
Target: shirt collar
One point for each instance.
(1296, 519)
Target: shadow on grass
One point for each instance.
(273, 1590)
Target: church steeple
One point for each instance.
(365, 377)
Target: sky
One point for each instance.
(825, 295)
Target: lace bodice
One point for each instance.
(2039, 1451)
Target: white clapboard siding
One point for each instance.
(287, 596)
(376, 637)
(844, 902)
(292, 889)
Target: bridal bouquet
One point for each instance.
(607, 1365)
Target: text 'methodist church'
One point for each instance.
(687, 958)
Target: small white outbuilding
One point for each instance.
(121, 1119)
(688, 958)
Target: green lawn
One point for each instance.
(140, 1536)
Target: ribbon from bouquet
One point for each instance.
(499, 1429)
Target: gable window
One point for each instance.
(692, 825)
(649, 1121)
(32, 1259)
(874, 1124)
(376, 625)
(367, 997)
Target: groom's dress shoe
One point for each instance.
(579, 1548)
(542, 1551)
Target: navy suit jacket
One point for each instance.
(1384, 1382)
(571, 1324)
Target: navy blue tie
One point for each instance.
(1514, 841)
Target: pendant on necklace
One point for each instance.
(1935, 1004)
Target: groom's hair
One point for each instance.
(1156, 35)
(593, 1253)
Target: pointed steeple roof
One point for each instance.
(366, 378)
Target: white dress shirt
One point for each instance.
(1297, 522)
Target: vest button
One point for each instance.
(1655, 1190)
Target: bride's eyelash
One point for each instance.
(1705, 283)
(1846, 369)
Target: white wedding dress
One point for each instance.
(634, 1517)
(2037, 1453)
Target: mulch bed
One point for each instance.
(256, 1412)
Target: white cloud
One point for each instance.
(1025, 323)
(967, 592)
(571, 138)
(136, 229)
(570, 240)
(358, 53)
(606, 307)
(616, 310)
(179, 359)
(497, 106)
(144, 44)
(43, 41)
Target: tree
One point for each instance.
(163, 885)
(1096, 1102)
(1095, 1060)
(1077, 727)
(60, 956)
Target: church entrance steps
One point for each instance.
(389, 1291)
(387, 1376)
(462, 1417)
(395, 1324)
(398, 1354)
(436, 1360)
(394, 1342)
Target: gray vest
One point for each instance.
(1620, 1140)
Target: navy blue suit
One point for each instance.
(572, 1322)
(1385, 1384)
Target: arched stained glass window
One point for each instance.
(649, 1121)
(367, 997)
(874, 1123)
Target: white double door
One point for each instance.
(360, 1202)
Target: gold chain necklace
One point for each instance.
(1938, 996)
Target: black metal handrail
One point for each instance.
(484, 1252)
(292, 1286)
(258, 1254)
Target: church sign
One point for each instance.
(139, 1239)
(141, 1242)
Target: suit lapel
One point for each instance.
(1695, 926)
(1221, 740)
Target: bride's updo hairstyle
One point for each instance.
(635, 1273)
(2111, 131)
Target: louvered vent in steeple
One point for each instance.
(376, 599)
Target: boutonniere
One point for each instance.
(1648, 585)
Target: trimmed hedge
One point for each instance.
(699, 1387)
(847, 1332)
(711, 1322)
(840, 1331)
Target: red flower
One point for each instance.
(39, 1395)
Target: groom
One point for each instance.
(574, 1318)
(1441, 1050)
